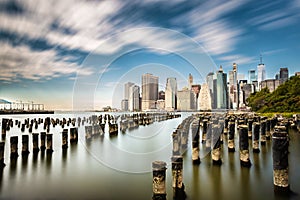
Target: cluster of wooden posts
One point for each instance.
(213, 128)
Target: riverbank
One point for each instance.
(14, 112)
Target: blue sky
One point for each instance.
(77, 54)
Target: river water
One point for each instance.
(120, 167)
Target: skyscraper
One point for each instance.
(221, 86)
(185, 100)
(251, 76)
(204, 98)
(283, 74)
(126, 89)
(134, 98)
(210, 84)
(261, 72)
(149, 91)
(171, 94)
(233, 88)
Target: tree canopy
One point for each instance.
(286, 98)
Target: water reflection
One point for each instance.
(13, 168)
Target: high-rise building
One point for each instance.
(210, 84)
(185, 100)
(124, 105)
(171, 94)
(221, 89)
(251, 76)
(161, 95)
(233, 88)
(190, 83)
(126, 89)
(204, 98)
(261, 72)
(241, 93)
(149, 91)
(134, 98)
(283, 74)
(196, 90)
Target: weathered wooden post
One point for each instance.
(35, 143)
(231, 127)
(263, 132)
(159, 180)
(65, 139)
(176, 143)
(4, 125)
(208, 136)
(216, 152)
(244, 146)
(14, 147)
(280, 146)
(255, 144)
(268, 129)
(226, 120)
(43, 141)
(177, 177)
(73, 135)
(2, 145)
(49, 148)
(204, 130)
(25, 141)
(88, 132)
(195, 142)
(250, 123)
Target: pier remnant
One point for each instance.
(244, 146)
(159, 180)
(255, 145)
(14, 147)
(25, 141)
(280, 146)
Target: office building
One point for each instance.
(134, 98)
(232, 87)
(283, 75)
(124, 105)
(251, 76)
(185, 100)
(196, 90)
(204, 102)
(261, 72)
(210, 85)
(221, 89)
(126, 89)
(171, 94)
(149, 91)
(190, 81)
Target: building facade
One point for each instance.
(221, 89)
(134, 98)
(204, 102)
(149, 91)
(185, 100)
(171, 94)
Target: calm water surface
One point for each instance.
(120, 167)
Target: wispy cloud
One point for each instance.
(21, 62)
(239, 59)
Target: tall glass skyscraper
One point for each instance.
(149, 91)
(171, 94)
(251, 76)
(261, 72)
(221, 86)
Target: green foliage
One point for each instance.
(286, 98)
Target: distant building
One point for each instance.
(171, 94)
(210, 84)
(251, 76)
(221, 89)
(160, 104)
(232, 87)
(297, 73)
(247, 90)
(124, 105)
(134, 98)
(204, 98)
(126, 89)
(283, 75)
(241, 93)
(149, 91)
(196, 90)
(161, 95)
(185, 100)
(261, 72)
(271, 84)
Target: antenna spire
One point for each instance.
(260, 59)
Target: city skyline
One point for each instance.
(47, 48)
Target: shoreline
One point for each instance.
(13, 112)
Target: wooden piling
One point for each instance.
(4, 125)
(177, 178)
(49, 147)
(263, 132)
(195, 142)
(268, 129)
(73, 135)
(43, 141)
(2, 145)
(25, 144)
(14, 147)
(65, 139)
(159, 180)
(244, 146)
(255, 145)
(88, 132)
(231, 127)
(208, 136)
(250, 124)
(216, 151)
(280, 146)
(204, 130)
(35, 143)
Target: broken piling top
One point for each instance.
(159, 165)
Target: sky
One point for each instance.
(76, 54)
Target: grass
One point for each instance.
(286, 115)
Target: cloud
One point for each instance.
(21, 62)
(239, 59)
